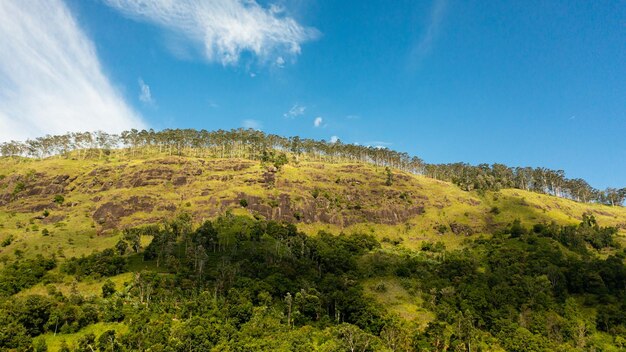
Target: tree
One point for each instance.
(108, 288)
(389, 179)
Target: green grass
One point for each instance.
(55, 342)
(86, 287)
(390, 293)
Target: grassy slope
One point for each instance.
(75, 231)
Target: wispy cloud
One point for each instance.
(334, 139)
(378, 144)
(51, 80)
(144, 93)
(224, 28)
(318, 121)
(280, 62)
(425, 43)
(295, 111)
(253, 124)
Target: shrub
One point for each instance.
(243, 203)
(59, 199)
(516, 229)
(389, 180)
(19, 187)
(7, 241)
(380, 287)
(495, 210)
(108, 289)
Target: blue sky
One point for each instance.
(517, 82)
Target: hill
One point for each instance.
(102, 197)
(103, 245)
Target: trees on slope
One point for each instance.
(256, 145)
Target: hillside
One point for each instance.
(101, 197)
(415, 250)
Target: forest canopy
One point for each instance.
(238, 283)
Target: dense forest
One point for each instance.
(256, 145)
(242, 284)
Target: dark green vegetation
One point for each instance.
(242, 284)
(256, 145)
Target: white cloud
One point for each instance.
(145, 95)
(437, 14)
(318, 121)
(378, 144)
(280, 62)
(224, 28)
(253, 124)
(51, 80)
(295, 111)
(334, 139)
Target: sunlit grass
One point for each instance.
(55, 342)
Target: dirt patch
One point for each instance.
(469, 201)
(228, 165)
(166, 207)
(600, 212)
(461, 229)
(179, 181)
(53, 219)
(269, 179)
(151, 177)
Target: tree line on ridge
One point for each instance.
(255, 145)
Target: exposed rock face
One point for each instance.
(312, 210)
(109, 214)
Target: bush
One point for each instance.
(495, 210)
(436, 247)
(19, 187)
(108, 289)
(380, 287)
(516, 229)
(243, 203)
(441, 228)
(59, 199)
(7, 241)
